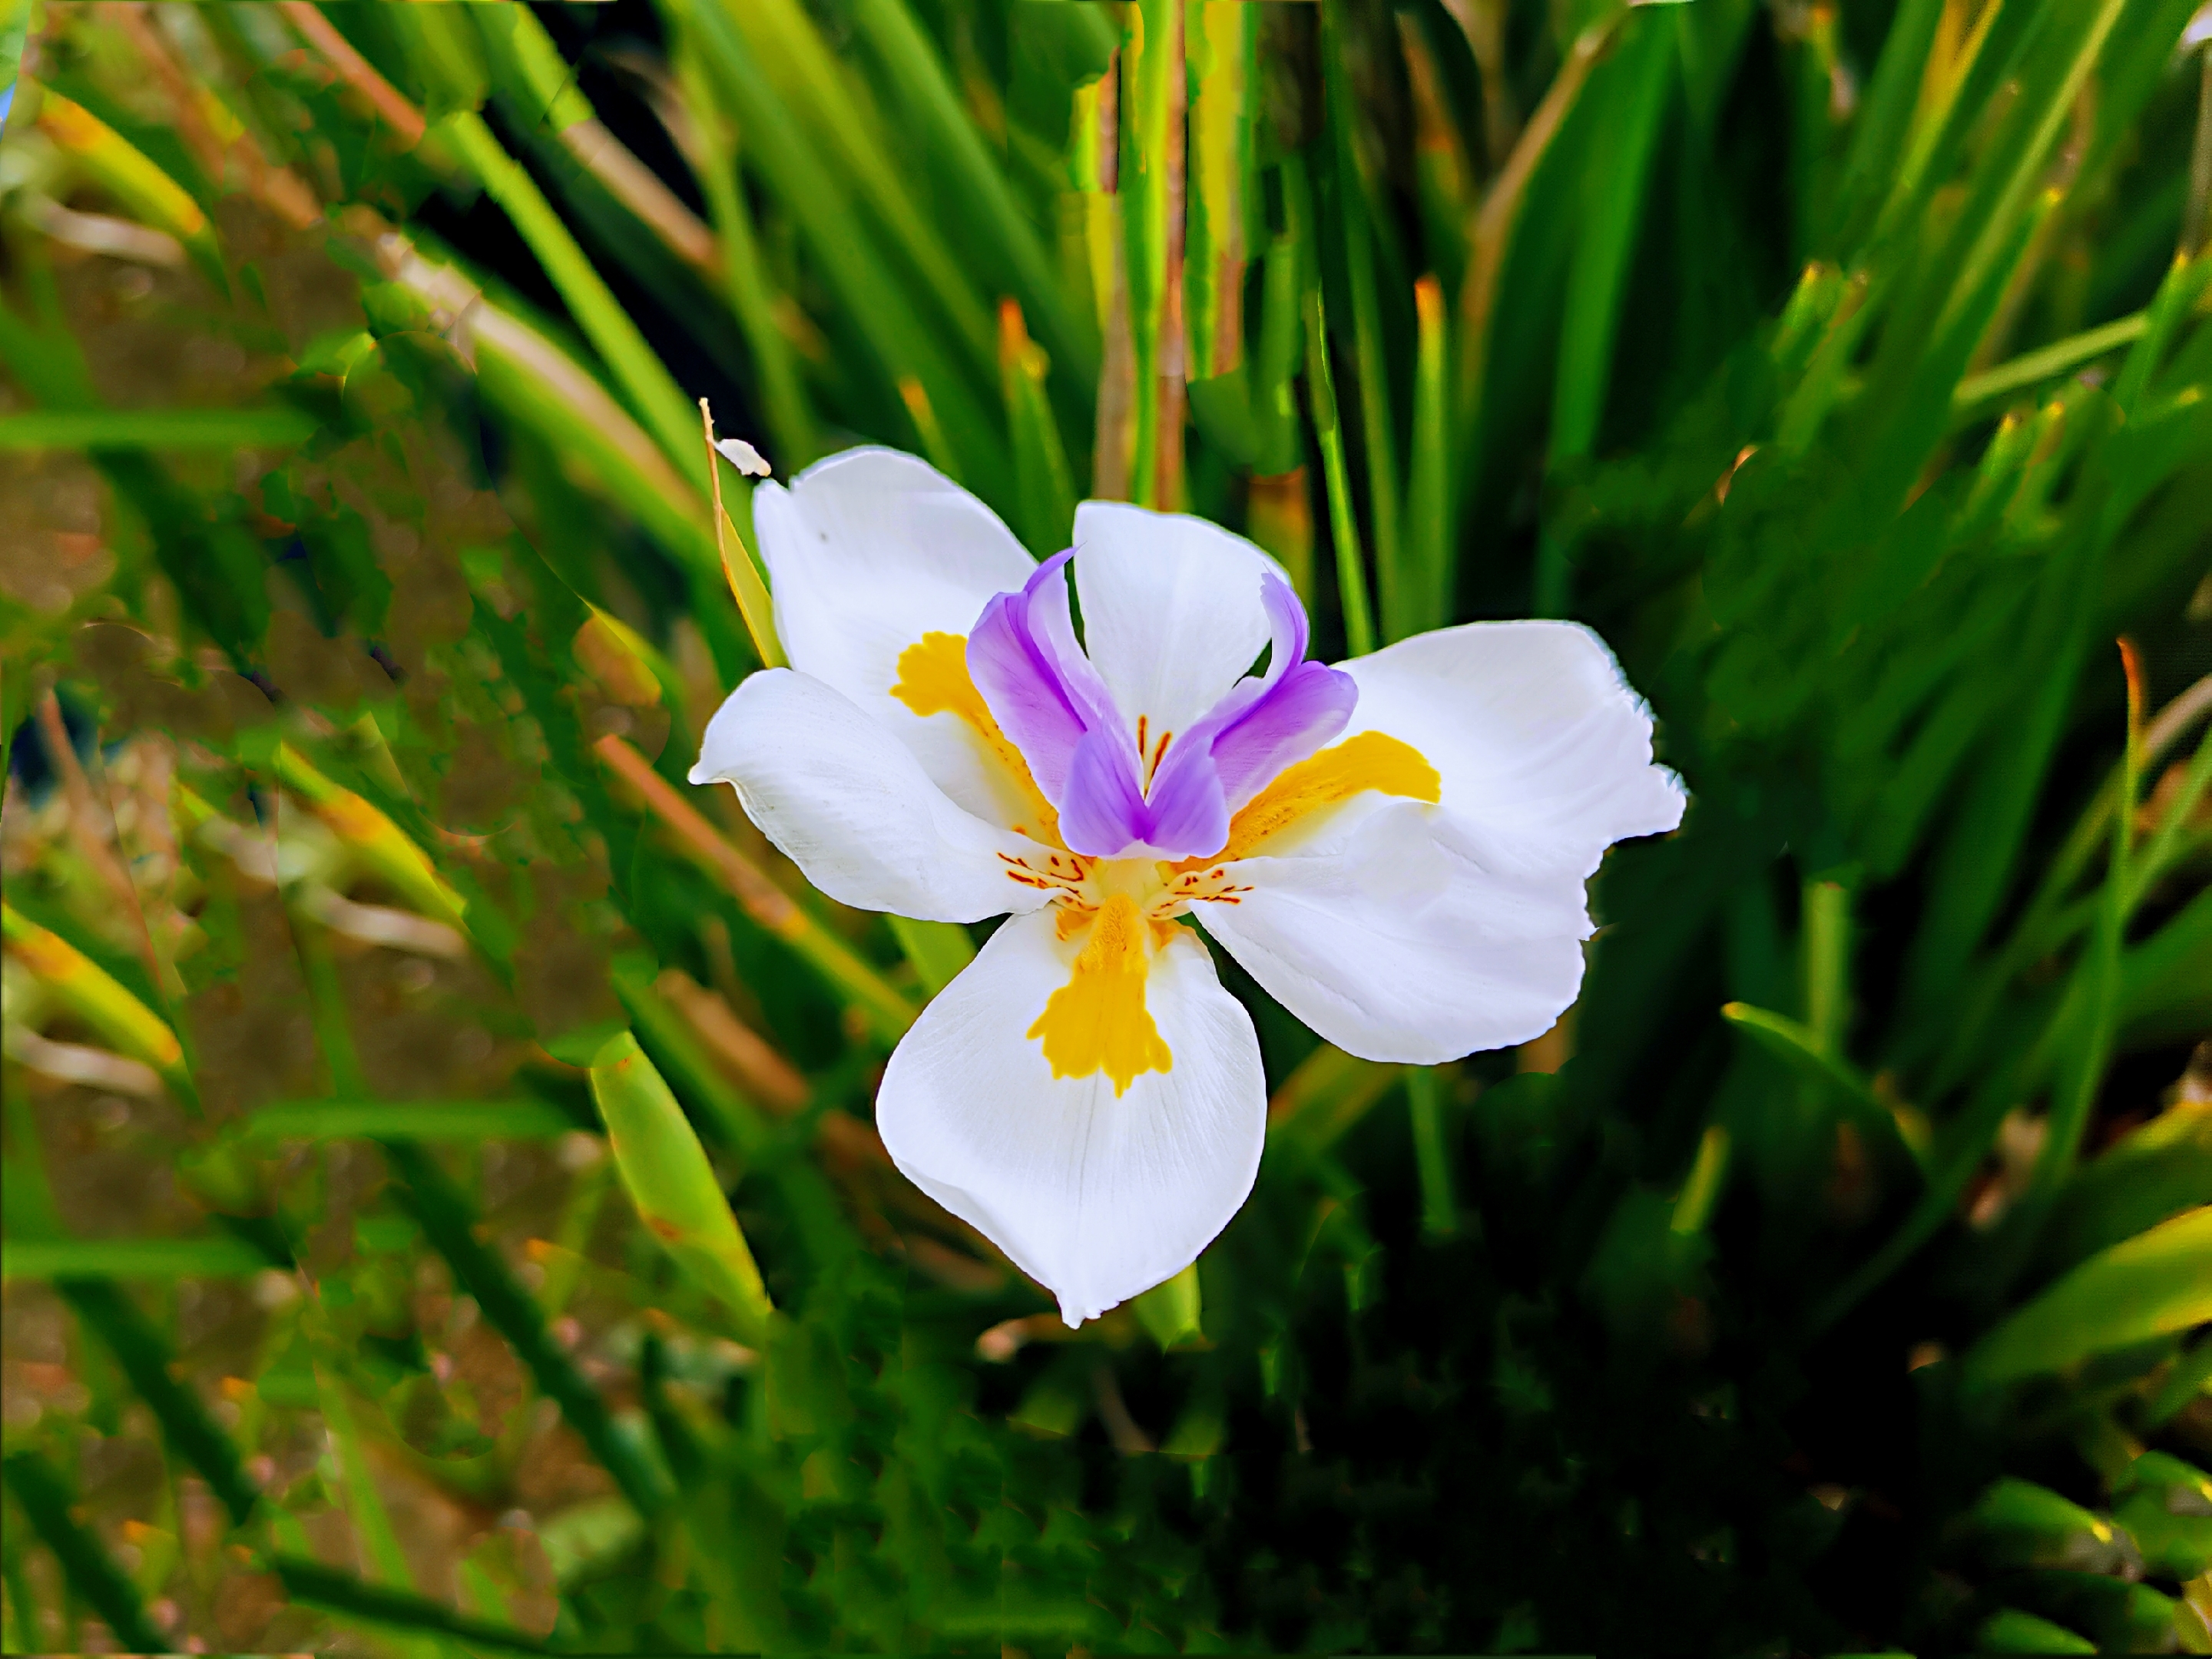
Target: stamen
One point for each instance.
(1157, 755)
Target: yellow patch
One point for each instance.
(1370, 761)
(1097, 1022)
(933, 679)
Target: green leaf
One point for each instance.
(130, 1258)
(312, 1584)
(938, 950)
(659, 402)
(450, 1224)
(2169, 1515)
(673, 1186)
(146, 1359)
(157, 428)
(2010, 1631)
(2152, 1172)
(1171, 1311)
(2019, 1523)
(92, 1573)
(416, 1119)
(1797, 1048)
(2153, 1285)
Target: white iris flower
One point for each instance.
(1396, 848)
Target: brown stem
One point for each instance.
(355, 71)
(763, 901)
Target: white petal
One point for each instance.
(867, 551)
(847, 804)
(1172, 616)
(1096, 1197)
(1544, 751)
(1395, 944)
(1405, 932)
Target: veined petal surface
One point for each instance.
(1096, 1196)
(848, 804)
(1544, 750)
(1387, 937)
(1402, 930)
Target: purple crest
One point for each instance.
(1113, 798)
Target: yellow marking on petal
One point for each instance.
(1097, 1022)
(1369, 761)
(933, 679)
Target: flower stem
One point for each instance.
(1425, 1093)
(1343, 528)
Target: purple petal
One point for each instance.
(1265, 724)
(1035, 679)
(1186, 814)
(1102, 810)
(1049, 699)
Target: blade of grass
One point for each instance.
(155, 428)
(146, 1360)
(90, 1570)
(736, 1123)
(738, 570)
(659, 403)
(1492, 234)
(1630, 102)
(536, 384)
(1044, 489)
(1343, 526)
(789, 412)
(938, 950)
(117, 165)
(1356, 225)
(1223, 42)
(2083, 1061)
(975, 184)
(2156, 1283)
(2045, 363)
(1424, 594)
(872, 295)
(1432, 1158)
(1285, 274)
(665, 1171)
(1152, 189)
(141, 1259)
(886, 1010)
(783, 42)
(529, 70)
(310, 1584)
(1800, 1048)
(1328, 1092)
(93, 995)
(1702, 1189)
(414, 1120)
(446, 1218)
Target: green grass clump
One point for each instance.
(1837, 1276)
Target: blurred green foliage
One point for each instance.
(1838, 1275)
